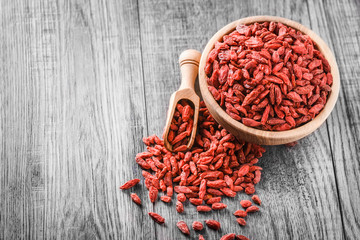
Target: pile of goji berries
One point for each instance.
(217, 165)
(181, 126)
(268, 76)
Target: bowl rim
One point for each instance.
(278, 137)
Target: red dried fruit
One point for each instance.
(229, 236)
(256, 199)
(179, 207)
(213, 224)
(203, 208)
(197, 226)
(243, 170)
(218, 206)
(240, 213)
(201, 237)
(241, 221)
(250, 190)
(142, 163)
(252, 209)
(153, 194)
(181, 197)
(202, 189)
(166, 199)
(181, 126)
(228, 192)
(135, 198)
(213, 200)
(130, 184)
(245, 203)
(182, 189)
(241, 237)
(196, 201)
(183, 227)
(157, 218)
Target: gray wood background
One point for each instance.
(82, 82)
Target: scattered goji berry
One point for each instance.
(179, 207)
(240, 213)
(256, 199)
(135, 198)
(218, 206)
(130, 184)
(203, 208)
(197, 226)
(166, 199)
(241, 221)
(213, 224)
(157, 218)
(252, 209)
(229, 236)
(183, 227)
(245, 203)
(241, 237)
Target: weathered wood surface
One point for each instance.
(82, 82)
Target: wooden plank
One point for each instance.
(339, 22)
(298, 187)
(73, 114)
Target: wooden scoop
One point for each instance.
(189, 65)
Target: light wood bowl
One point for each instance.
(262, 137)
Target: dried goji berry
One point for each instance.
(183, 227)
(240, 213)
(256, 199)
(181, 197)
(213, 200)
(213, 224)
(157, 218)
(241, 237)
(135, 198)
(252, 209)
(229, 236)
(245, 203)
(196, 201)
(179, 207)
(218, 206)
(241, 221)
(130, 184)
(197, 226)
(153, 194)
(203, 208)
(166, 199)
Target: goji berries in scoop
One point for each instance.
(181, 126)
(269, 76)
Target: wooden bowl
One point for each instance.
(263, 137)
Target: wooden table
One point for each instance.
(81, 84)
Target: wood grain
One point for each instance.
(73, 113)
(84, 81)
(342, 31)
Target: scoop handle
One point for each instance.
(189, 66)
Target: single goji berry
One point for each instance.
(130, 184)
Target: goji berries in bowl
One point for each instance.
(268, 80)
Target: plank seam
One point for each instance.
(330, 143)
(144, 90)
